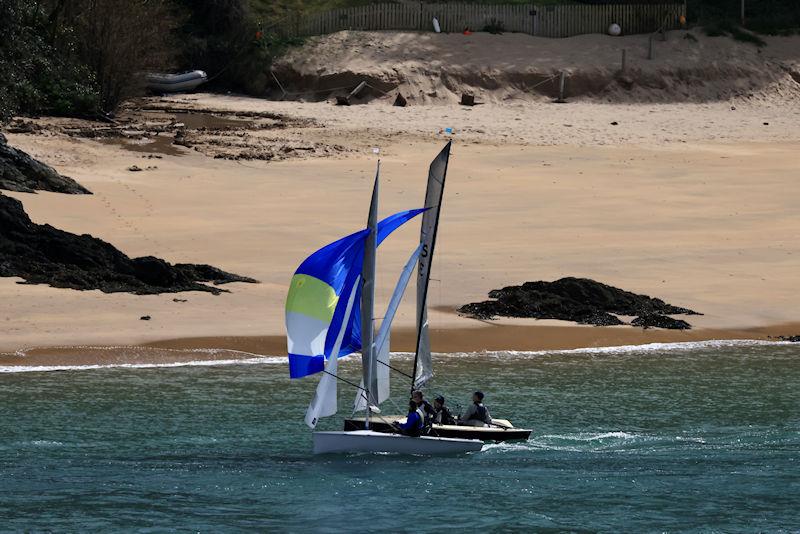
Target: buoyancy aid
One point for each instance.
(480, 413)
(421, 414)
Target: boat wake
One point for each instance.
(590, 442)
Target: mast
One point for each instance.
(368, 363)
(382, 358)
(429, 228)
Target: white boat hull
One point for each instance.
(371, 441)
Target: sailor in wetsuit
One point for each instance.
(477, 414)
(441, 414)
(422, 404)
(414, 421)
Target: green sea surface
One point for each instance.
(695, 437)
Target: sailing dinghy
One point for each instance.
(330, 314)
(499, 429)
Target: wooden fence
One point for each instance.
(546, 21)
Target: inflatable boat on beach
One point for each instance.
(176, 83)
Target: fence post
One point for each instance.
(650, 49)
(549, 20)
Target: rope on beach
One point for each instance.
(327, 90)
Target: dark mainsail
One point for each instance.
(423, 367)
(368, 362)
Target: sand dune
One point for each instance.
(438, 68)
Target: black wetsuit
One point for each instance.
(443, 417)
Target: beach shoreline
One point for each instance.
(487, 337)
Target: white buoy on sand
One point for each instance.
(614, 29)
(436, 27)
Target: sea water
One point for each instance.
(661, 438)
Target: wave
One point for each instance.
(43, 443)
(248, 358)
(191, 363)
(625, 349)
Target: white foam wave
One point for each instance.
(648, 348)
(192, 363)
(591, 436)
(248, 358)
(43, 443)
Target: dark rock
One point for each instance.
(400, 101)
(144, 318)
(180, 139)
(206, 273)
(467, 99)
(23, 127)
(41, 254)
(656, 320)
(614, 123)
(134, 168)
(570, 299)
(793, 339)
(20, 172)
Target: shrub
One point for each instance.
(37, 76)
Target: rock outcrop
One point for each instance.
(579, 300)
(41, 254)
(20, 172)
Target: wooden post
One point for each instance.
(650, 50)
(279, 84)
(624, 63)
(562, 83)
(357, 90)
(742, 12)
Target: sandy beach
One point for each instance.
(693, 203)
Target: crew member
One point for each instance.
(441, 414)
(477, 414)
(426, 410)
(414, 421)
